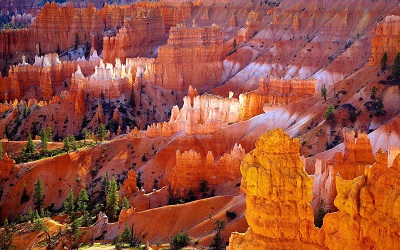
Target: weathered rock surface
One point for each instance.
(191, 168)
(387, 34)
(145, 26)
(279, 214)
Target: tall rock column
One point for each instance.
(278, 191)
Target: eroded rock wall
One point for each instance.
(278, 192)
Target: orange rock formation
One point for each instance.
(277, 92)
(387, 34)
(136, 35)
(191, 168)
(193, 56)
(357, 154)
(43, 79)
(252, 26)
(278, 192)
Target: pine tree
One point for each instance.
(30, 146)
(82, 200)
(125, 203)
(49, 134)
(396, 67)
(44, 140)
(69, 204)
(86, 133)
(323, 92)
(384, 61)
(26, 111)
(38, 195)
(218, 240)
(76, 232)
(101, 132)
(112, 199)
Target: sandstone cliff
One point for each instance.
(284, 220)
(387, 34)
(192, 56)
(144, 26)
(191, 168)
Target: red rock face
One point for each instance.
(193, 56)
(191, 168)
(277, 92)
(387, 35)
(43, 79)
(145, 26)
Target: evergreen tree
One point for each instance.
(396, 67)
(330, 112)
(384, 61)
(112, 199)
(101, 132)
(38, 195)
(69, 204)
(26, 111)
(30, 146)
(44, 140)
(125, 203)
(6, 236)
(86, 134)
(1, 150)
(323, 92)
(218, 240)
(49, 134)
(82, 200)
(179, 241)
(76, 232)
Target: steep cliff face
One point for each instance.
(135, 38)
(357, 153)
(58, 28)
(106, 82)
(276, 92)
(42, 80)
(387, 34)
(203, 114)
(191, 168)
(193, 56)
(279, 214)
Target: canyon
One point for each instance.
(273, 116)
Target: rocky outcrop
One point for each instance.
(145, 26)
(278, 192)
(42, 79)
(275, 92)
(252, 26)
(207, 114)
(7, 166)
(191, 168)
(129, 187)
(387, 35)
(106, 82)
(357, 154)
(59, 28)
(193, 56)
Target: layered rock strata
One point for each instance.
(192, 56)
(142, 28)
(191, 168)
(387, 35)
